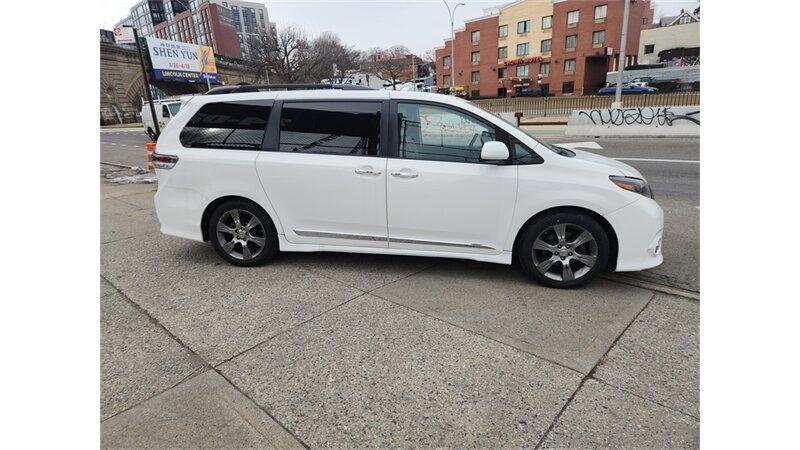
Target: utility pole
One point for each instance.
(621, 65)
(452, 43)
(146, 83)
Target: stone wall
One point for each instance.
(122, 90)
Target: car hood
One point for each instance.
(583, 155)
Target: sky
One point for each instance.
(420, 25)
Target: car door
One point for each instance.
(440, 195)
(325, 171)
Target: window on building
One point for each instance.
(522, 49)
(476, 57)
(568, 87)
(502, 53)
(446, 80)
(435, 133)
(547, 22)
(229, 125)
(600, 13)
(571, 42)
(446, 62)
(598, 38)
(476, 77)
(334, 128)
(569, 66)
(649, 48)
(684, 20)
(572, 18)
(502, 31)
(475, 36)
(544, 69)
(501, 72)
(547, 45)
(524, 26)
(522, 71)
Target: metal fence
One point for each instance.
(563, 105)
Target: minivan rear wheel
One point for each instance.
(242, 233)
(564, 250)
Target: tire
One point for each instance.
(546, 262)
(239, 240)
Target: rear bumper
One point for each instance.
(639, 228)
(180, 212)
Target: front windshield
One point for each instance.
(174, 108)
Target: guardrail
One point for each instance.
(563, 105)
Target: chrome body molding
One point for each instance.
(364, 237)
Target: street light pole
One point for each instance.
(146, 83)
(621, 65)
(452, 42)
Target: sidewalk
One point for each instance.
(349, 350)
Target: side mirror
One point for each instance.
(494, 151)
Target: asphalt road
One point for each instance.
(671, 165)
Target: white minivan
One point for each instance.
(398, 173)
(166, 109)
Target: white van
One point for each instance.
(166, 109)
(399, 173)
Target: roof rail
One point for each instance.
(284, 87)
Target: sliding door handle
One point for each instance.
(367, 171)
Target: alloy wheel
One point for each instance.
(240, 234)
(564, 252)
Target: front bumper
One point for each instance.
(640, 228)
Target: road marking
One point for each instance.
(659, 160)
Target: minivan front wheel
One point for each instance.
(564, 250)
(242, 234)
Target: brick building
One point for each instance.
(210, 24)
(586, 39)
(475, 59)
(564, 46)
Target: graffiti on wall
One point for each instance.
(649, 116)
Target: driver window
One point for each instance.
(440, 134)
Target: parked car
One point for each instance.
(397, 173)
(627, 89)
(166, 109)
(535, 92)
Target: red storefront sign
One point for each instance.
(514, 62)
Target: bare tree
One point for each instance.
(328, 50)
(391, 63)
(286, 55)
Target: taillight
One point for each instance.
(164, 161)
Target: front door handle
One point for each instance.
(405, 173)
(367, 171)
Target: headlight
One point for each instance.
(632, 184)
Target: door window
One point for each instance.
(227, 125)
(440, 134)
(333, 128)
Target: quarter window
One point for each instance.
(440, 134)
(337, 128)
(227, 125)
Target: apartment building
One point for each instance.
(563, 46)
(474, 71)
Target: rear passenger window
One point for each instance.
(335, 128)
(227, 125)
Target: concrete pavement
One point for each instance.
(354, 350)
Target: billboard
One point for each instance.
(181, 61)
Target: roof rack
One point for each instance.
(284, 87)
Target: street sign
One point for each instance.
(124, 35)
